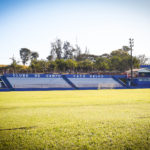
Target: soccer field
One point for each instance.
(90, 119)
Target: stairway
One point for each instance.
(116, 79)
(69, 82)
(7, 83)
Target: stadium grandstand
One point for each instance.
(27, 82)
(21, 82)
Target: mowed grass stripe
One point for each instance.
(92, 119)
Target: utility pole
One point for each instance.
(131, 42)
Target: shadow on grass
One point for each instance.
(21, 128)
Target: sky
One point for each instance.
(99, 25)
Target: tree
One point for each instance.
(142, 59)
(136, 62)
(87, 52)
(83, 57)
(120, 60)
(39, 66)
(105, 55)
(52, 66)
(14, 64)
(15, 67)
(43, 65)
(50, 57)
(102, 63)
(66, 58)
(56, 49)
(125, 63)
(68, 50)
(60, 65)
(25, 55)
(71, 65)
(85, 66)
(77, 53)
(119, 52)
(34, 55)
(34, 66)
(126, 48)
(115, 63)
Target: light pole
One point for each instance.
(131, 42)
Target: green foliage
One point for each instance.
(61, 65)
(84, 66)
(65, 58)
(92, 120)
(126, 48)
(52, 66)
(102, 63)
(143, 59)
(56, 49)
(115, 62)
(34, 55)
(77, 53)
(25, 55)
(68, 50)
(71, 65)
(119, 53)
(136, 62)
(14, 67)
(121, 60)
(118, 60)
(39, 66)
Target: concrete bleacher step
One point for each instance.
(60, 82)
(38, 83)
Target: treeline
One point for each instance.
(64, 58)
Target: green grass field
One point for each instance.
(92, 119)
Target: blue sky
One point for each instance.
(99, 25)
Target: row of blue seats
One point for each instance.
(61, 83)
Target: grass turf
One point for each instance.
(96, 119)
